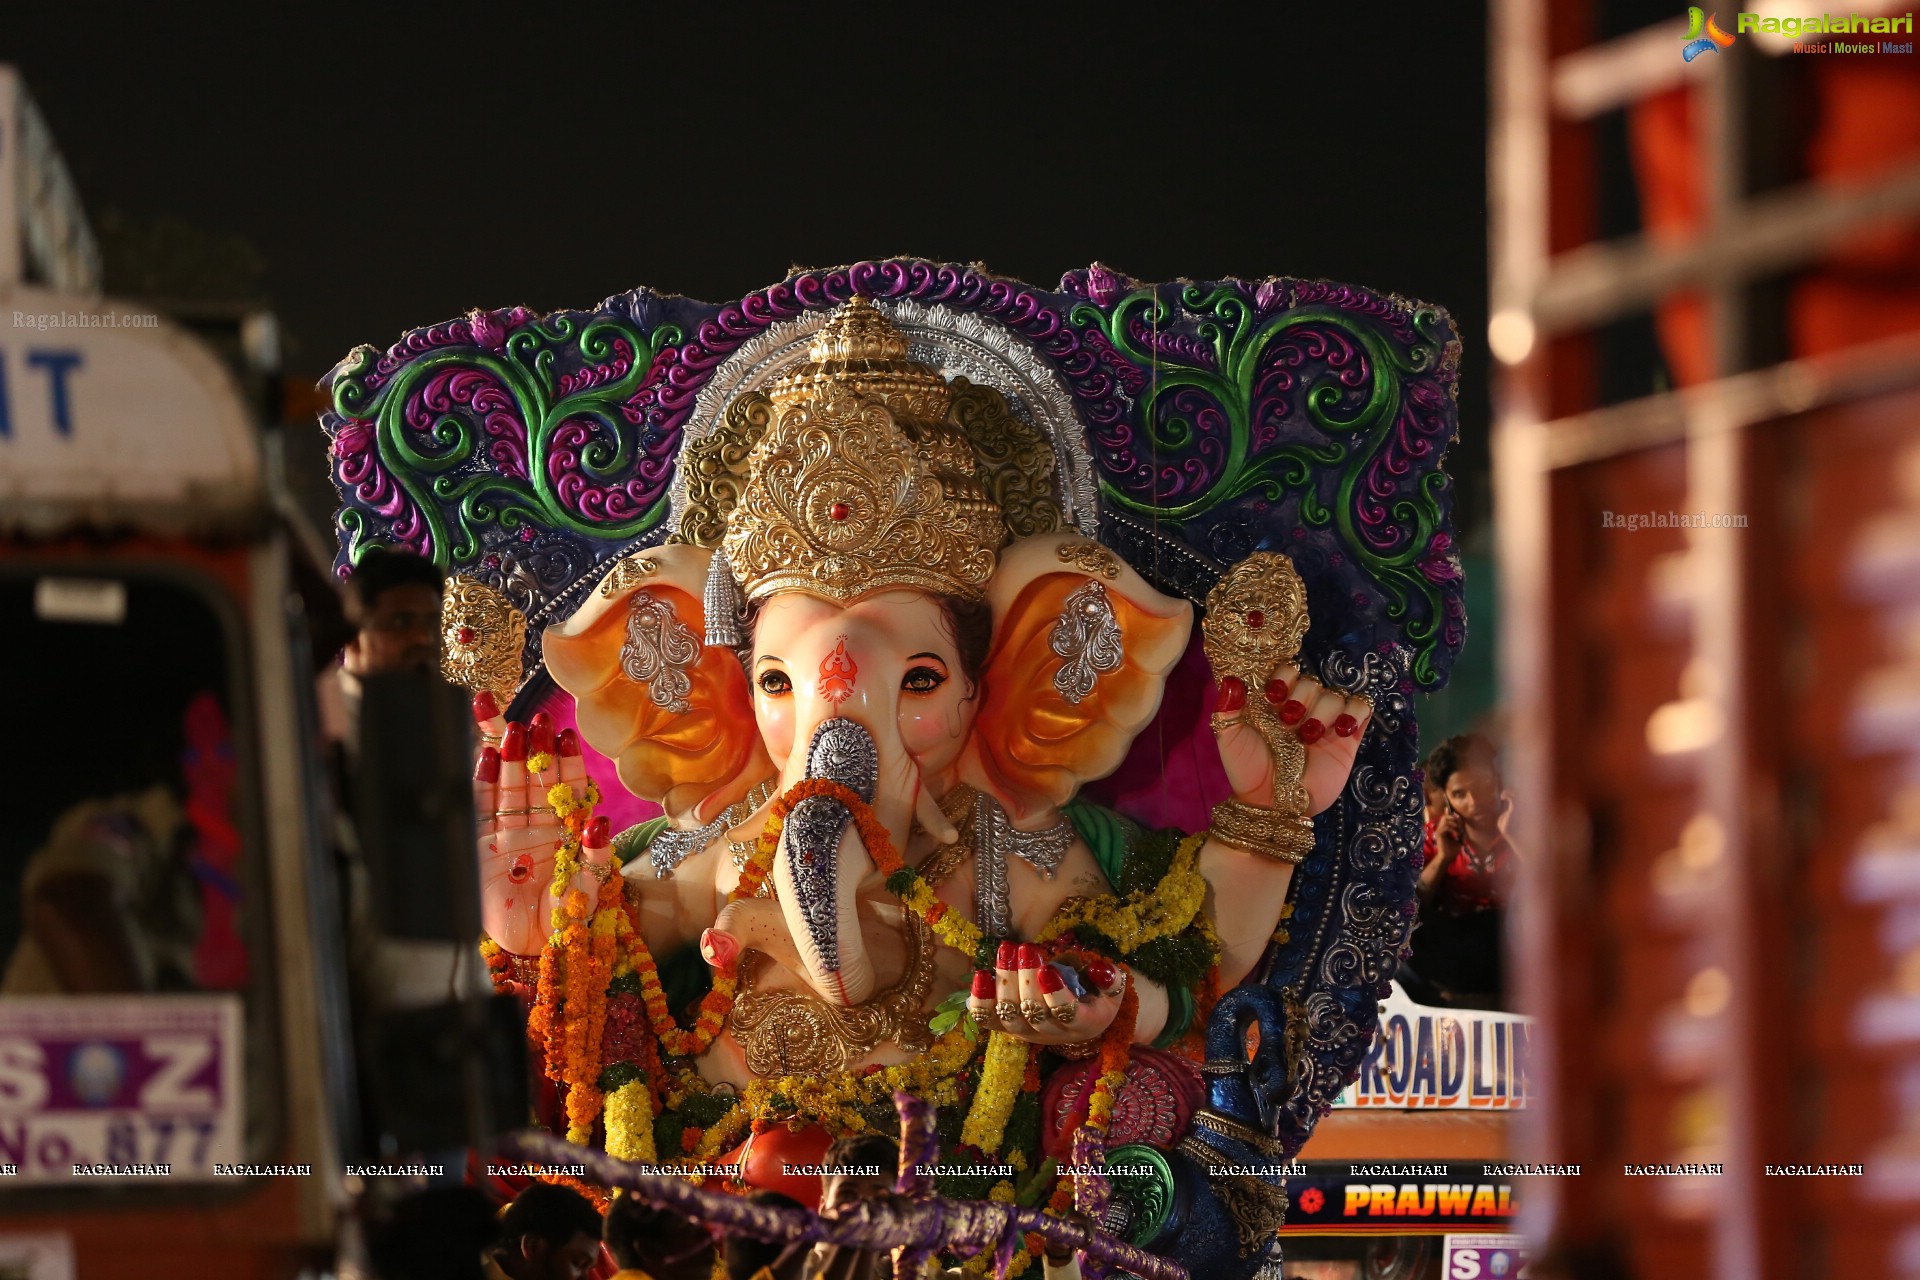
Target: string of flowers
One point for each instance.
(1116, 1049)
(1145, 915)
(587, 950)
(499, 963)
(1002, 1078)
(836, 1100)
(629, 1122)
(904, 882)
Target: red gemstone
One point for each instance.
(1292, 711)
(839, 511)
(1276, 691)
(1311, 731)
(464, 635)
(522, 868)
(1345, 725)
(1256, 619)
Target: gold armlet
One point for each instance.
(1284, 837)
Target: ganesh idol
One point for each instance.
(866, 714)
(864, 691)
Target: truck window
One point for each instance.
(124, 870)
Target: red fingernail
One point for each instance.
(487, 767)
(1233, 695)
(540, 734)
(1100, 972)
(1050, 980)
(1028, 957)
(1345, 725)
(983, 983)
(599, 833)
(513, 744)
(1311, 731)
(1005, 956)
(1292, 711)
(484, 707)
(568, 743)
(1276, 691)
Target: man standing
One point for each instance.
(393, 604)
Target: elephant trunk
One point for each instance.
(821, 862)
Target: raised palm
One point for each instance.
(1329, 724)
(519, 835)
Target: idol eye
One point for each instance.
(775, 684)
(922, 680)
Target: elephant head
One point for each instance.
(1025, 694)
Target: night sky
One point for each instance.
(395, 171)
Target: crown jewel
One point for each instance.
(861, 483)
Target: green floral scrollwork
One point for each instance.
(438, 463)
(1224, 326)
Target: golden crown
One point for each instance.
(861, 483)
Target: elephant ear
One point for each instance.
(673, 714)
(1081, 651)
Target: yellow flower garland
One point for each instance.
(1145, 914)
(629, 1123)
(834, 1101)
(1001, 1076)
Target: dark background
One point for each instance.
(381, 170)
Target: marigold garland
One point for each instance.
(629, 1122)
(1002, 1079)
(589, 948)
(904, 882)
(1146, 914)
(835, 1101)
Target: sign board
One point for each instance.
(1398, 1198)
(1468, 1059)
(1484, 1258)
(119, 1088)
(105, 406)
(44, 235)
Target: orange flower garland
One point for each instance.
(718, 1002)
(904, 882)
(1116, 1049)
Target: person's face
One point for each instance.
(850, 1188)
(1436, 799)
(400, 633)
(570, 1261)
(1473, 792)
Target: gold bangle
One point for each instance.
(1284, 837)
(514, 813)
(1227, 1127)
(1077, 1050)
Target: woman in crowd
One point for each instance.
(1463, 886)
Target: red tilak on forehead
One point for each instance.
(837, 674)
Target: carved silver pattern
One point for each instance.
(672, 847)
(992, 894)
(659, 652)
(994, 837)
(1384, 829)
(1043, 850)
(843, 751)
(1377, 676)
(1087, 640)
(958, 344)
(724, 606)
